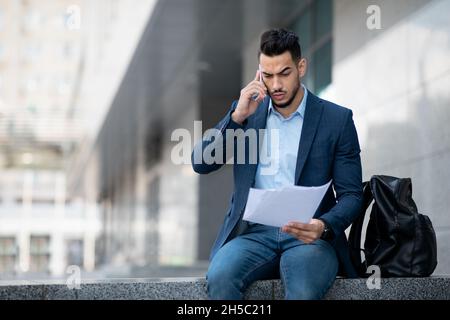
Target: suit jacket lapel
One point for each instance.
(313, 112)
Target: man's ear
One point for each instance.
(301, 67)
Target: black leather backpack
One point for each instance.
(398, 239)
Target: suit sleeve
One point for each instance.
(212, 142)
(347, 179)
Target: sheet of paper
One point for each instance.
(278, 207)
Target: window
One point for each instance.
(67, 50)
(8, 254)
(31, 52)
(314, 27)
(39, 253)
(74, 252)
(32, 84)
(32, 20)
(63, 85)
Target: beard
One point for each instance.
(288, 103)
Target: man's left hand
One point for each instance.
(306, 232)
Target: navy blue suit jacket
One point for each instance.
(328, 150)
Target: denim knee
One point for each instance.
(223, 284)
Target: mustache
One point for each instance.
(278, 91)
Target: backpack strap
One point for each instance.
(356, 230)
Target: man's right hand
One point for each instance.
(246, 105)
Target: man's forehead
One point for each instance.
(277, 63)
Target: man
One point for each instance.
(318, 143)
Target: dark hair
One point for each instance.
(277, 41)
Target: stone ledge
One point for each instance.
(432, 288)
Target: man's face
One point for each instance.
(281, 75)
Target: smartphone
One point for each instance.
(256, 95)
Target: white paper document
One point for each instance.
(278, 207)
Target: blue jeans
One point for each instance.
(263, 252)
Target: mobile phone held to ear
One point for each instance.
(256, 95)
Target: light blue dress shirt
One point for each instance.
(281, 168)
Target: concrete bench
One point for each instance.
(434, 288)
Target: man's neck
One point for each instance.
(287, 111)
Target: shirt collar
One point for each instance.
(301, 108)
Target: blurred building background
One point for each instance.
(91, 91)
(50, 55)
(41, 227)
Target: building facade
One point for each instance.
(49, 51)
